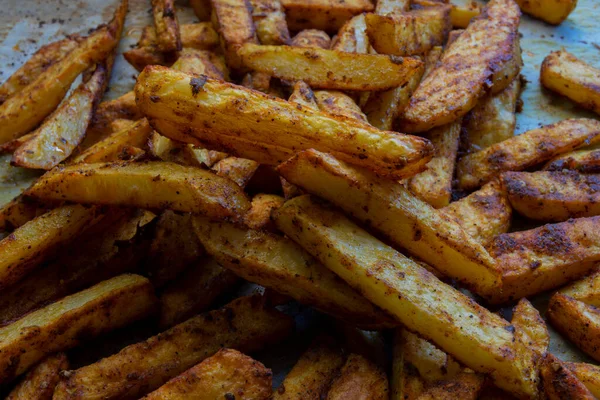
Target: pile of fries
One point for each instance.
(263, 145)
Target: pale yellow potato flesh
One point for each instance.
(463, 11)
(352, 37)
(527, 319)
(588, 374)
(586, 290)
(551, 11)
(339, 103)
(384, 7)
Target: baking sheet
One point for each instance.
(25, 25)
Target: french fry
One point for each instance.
(62, 325)
(224, 375)
(202, 9)
(269, 19)
(434, 185)
(588, 374)
(201, 62)
(544, 258)
(352, 37)
(210, 104)
(11, 146)
(259, 215)
(172, 186)
(390, 208)
(466, 70)
(310, 38)
(274, 261)
(19, 211)
(553, 196)
(484, 214)
(41, 60)
(431, 363)
(329, 69)
(166, 25)
(13, 180)
(245, 324)
(303, 95)
(410, 33)
(493, 119)
(474, 336)
(526, 150)
(551, 11)
(139, 57)
(40, 381)
(193, 291)
(586, 290)
(339, 103)
(559, 382)
(586, 161)
(122, 107)
(239, 170)
(361, 378)
(385, 7)
(463, 11)
(567, 75)
(31, 243)
(528, 321)
(233, 21)
(325, 15)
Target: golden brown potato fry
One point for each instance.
(329, 69)
(312, 38)
(201, 62)
(311, 377)
(239, 170)
(61, 132)
(193, 291)
(202, 9)
(527, 320)
(151, 185)
(166, 25)
(586, 290)
(588, 374)
(209, 115)
(484, 214)
(303, 95)
(31, 243)
(233, 21)
(269, 19)
(274, 261)
(165, 149)
(359, 378)
(559, 383)
(463, 11)
(481, 340)
(586, 161)
(326, 15)
(245, 324)
(140, 57)
(259, 215)
(11, 146)
(552, 195)
(526, 150)
(339, 103)
(122, 107)
(390, 208)
(431, 363)
(40, 61)
(551, 11)
(19, 211)
(546, 257)
(410, 33)
(352, 37)
(434, 185)
(493, 119)
(121, 124)
(200, 36)
(40, 381)
(567, 75)
(466, 71)
(385, 7)
(62, 325)
(225, 375)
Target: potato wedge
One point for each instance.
(434, 185)
(493, 119)
(545, 258)
(239, 170)
(526, 150)
(40, 381)
(13, 180)
(224, 375)
(40, 61)
(31, 243)
(551, 11)
(311, 377)
(339, 103)
(588, 374)
(326, 15)
(567, 75)
(361, 378)
(409, 33)
(385, 7)
(310, 38)
(586, 290)
(390, 208)
(166, 25)
(463, 11)
(269, 19)
(431, 363)
(527, 320)
(422, 303)
(164, 94)
(274, 261)
(559, 382)
(233, 21)
(302, 94)
(19, 211)
(201, 62)
(62, 325)
(553, 196)
(585, 161)
(259, 215)
(329, 69)
(245, 324)
(466, 71)
(352, 37)
(165, 149)
(122, 107)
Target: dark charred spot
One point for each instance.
(197, 84)
(552, 239)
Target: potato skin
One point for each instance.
(559, 382)
(40, 381)
(327, 15)
(584, 161)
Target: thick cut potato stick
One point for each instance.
(527, 320)
(274, 261)
(19, 211)
(586, 290)
(588, 374)
(586, 161)
(431, 363)
(565, 74)
(481, 340)
(311, 377)
(239, 170)
(329, 69)
(269, 19)
(310, 38)
(484, 214)
(62, 325)
(390, 208)
(352, 37)
(338, 103)
(201, 62)
(28, 245)
(146, 185)
(553, 196)
(526, 150)
(40, 61)
(559, 382)
(546, 257)
(166, 25)
(326, 15)
(245, 324)
(466, 70)
(361, 378)
(40, 381)
(210, 111)
(551, 11)
(225, 375)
